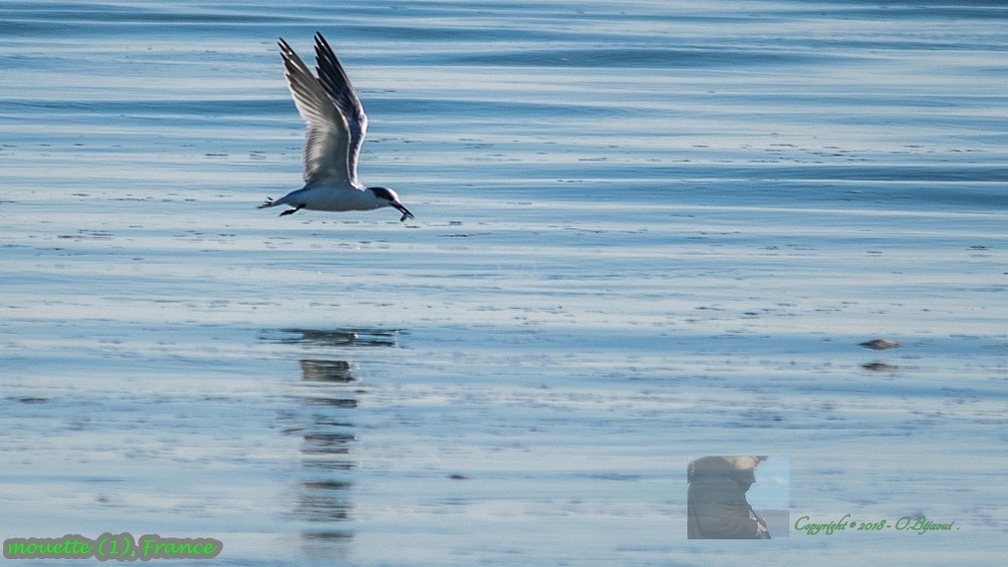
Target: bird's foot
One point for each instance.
(292, 211)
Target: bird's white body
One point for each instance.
(336, 128)
(335, 198)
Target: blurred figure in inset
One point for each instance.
(716, 505)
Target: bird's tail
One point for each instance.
(285, 200)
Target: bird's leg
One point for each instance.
(292, 211)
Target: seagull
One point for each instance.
(336, 128)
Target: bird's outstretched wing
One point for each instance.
(327, 146)
(335, 82)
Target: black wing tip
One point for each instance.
(286, 51)
(322, 49)
(321, 45)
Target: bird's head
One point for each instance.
(389, 199)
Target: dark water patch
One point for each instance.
(923, 10)
(211, 110)
(967, 186)
(642, 57)
(880, 367)
(924, 173)
(327, 535)
(880, 344)
(336, 371)
(487, 110)
(349, 337)
(20, 17)
(976, 187)
(463, 32)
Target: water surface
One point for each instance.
(646, 232)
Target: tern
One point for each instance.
(336, 128)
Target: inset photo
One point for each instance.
(738, 497)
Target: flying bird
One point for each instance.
(336, 128)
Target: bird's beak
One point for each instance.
(405, 212)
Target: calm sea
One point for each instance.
(645, 232)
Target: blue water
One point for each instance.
(645, 232)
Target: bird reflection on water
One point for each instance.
(323, 501)
(324, 419)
